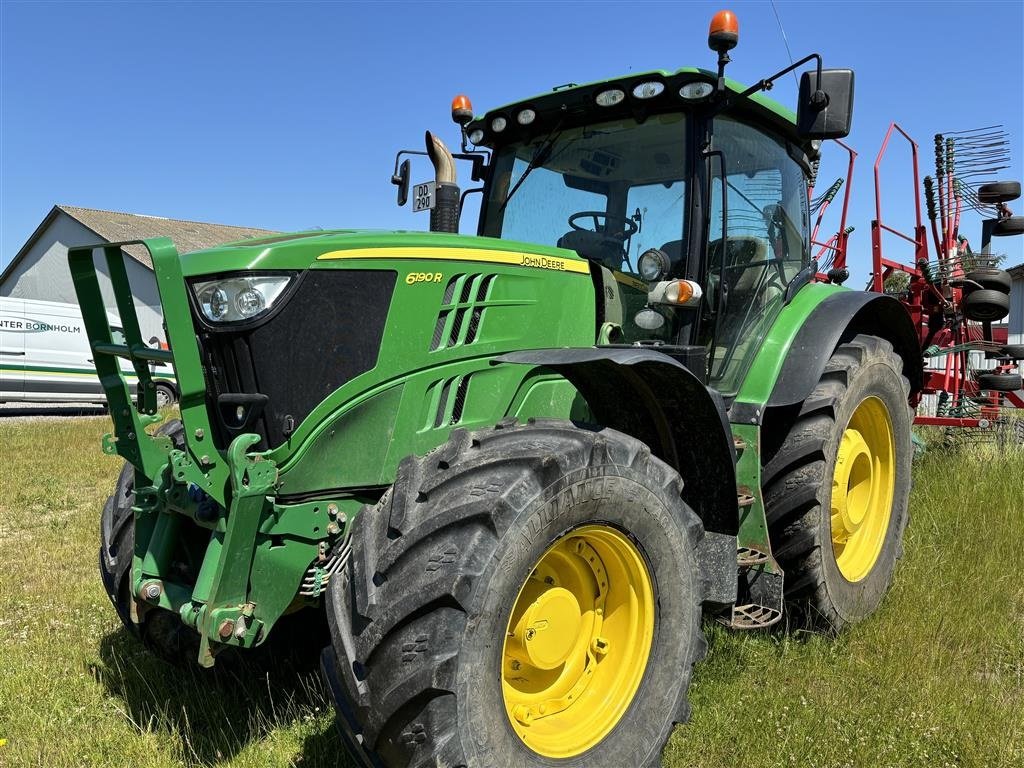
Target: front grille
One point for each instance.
(328, 332)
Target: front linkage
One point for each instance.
(255, 545)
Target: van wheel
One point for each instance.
(165, 395)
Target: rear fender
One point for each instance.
(800, 348)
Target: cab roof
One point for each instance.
(564, 103)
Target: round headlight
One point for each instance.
(498, 124)
(648, 90)
(218, 303)
(610, 97)
(696, 90)
(653, 265)
(476, 136)
(526, 117)
(249, 302)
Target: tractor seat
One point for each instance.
(743, 249)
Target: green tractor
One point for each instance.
(514, 471)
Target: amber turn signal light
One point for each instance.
(679, 292)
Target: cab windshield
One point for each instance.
(609, 191)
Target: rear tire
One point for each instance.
(419, 664)
(833, 578)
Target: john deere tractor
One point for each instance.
(515, 470)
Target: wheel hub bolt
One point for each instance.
(226, 628)
(523, 714)
(152, 591)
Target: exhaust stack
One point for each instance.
(444, 216)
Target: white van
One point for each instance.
(45, 356)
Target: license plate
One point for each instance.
(423, 198)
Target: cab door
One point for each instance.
(12, 350)
(766, 245)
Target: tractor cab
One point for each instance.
(687, 193)
(639, 198)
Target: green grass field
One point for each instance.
(936, 678)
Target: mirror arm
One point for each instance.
(480, 161)
(395, 178)
(819, 100)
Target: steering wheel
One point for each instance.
(629, 227)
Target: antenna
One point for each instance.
(784, 40)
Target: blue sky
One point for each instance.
(287, 116)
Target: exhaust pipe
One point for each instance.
(444, 216)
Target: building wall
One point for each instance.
(44, 274)
(1016, 319)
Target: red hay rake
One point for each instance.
(955, 298)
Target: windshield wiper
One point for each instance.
(541, 156)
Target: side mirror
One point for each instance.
(401, 180)
(825, 109)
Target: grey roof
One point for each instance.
(1016, 272)
(115, 226)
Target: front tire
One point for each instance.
(438, 650)
(162, 632)
(836, 491)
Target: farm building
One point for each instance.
(1016, 319)
(40, 269)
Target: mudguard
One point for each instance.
(836, 319)
(654, 398)
(793, 355)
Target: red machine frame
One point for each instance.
(933, 304)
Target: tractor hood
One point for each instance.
(346, 316)
(305, 250)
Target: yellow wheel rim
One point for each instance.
(863, 486)
(577, 641)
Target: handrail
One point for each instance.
(881, 266)
(202, 464)
(129, 353)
